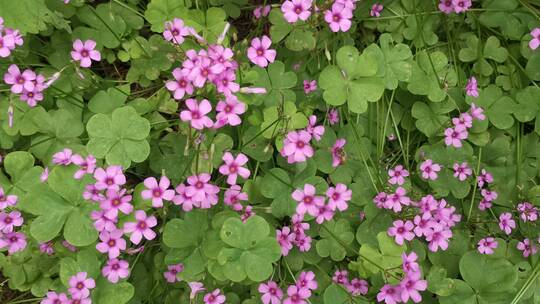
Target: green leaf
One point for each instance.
(280, 27)
(331, 241)
(398, 61)
(463, 294)
(426, 79)
(27, 16)
(79, 229)
(186, 233)
(106, 101)
(276, 182)
(532, 68)
(277, 82)
(429, 117)
(159, 11)
(108, 293)
(108, 26)
(300, 39)
(335, 294)
(498, 107)
(487, 275)
(439, 283)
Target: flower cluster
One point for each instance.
(10, 219)
(27, 83)
(454, 136)
(409, 287)
(315, 205)
(294, 235)
(299, 293)
(79, 290)
(9, 39)
(456, 6)
(297, 144)
(355, 286)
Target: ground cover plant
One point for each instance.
(238, 151)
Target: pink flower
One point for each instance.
(46, 248)
(233, 196)
(527, 247)
(446, 6)
(90, 192)
(310, 86)
(225, 83)
(68, 246)
(7, 200)
(462, 171)
(296, 9)
(110, 178)
(484, 178)
(454, 136)
(19, 81)
(229, 111)
(306, 280)
(464, 120)
(7, 43)
(489, 195)
(506, 222)
(376, 10)
(115, 270)
(324, 213)
(214, 297)
(175, 31)
(260, 53)
(45, 176)
(183, 199)
(297, 295)
(486, 245)
(196, 114)
(339, 18)
(296, 146)
(438, 237)
(271, 293)
(62, 158)
(307, 200)
(248, 212)
(472, 87)
(157, 192)
(143, 227)
(357, 287)
(303, 242)
(401, 231)
(341, 277)
(14, 241)
(430, 169)
(461, 5)
(259, 12)
(316, 131)
(397, 175)
(338, 197)
(86, 165)
(389, 294)
(85, 52)
(396, 199)
(535, 41)
(195, 287)
(80, 285)
(338, 153)
(410, 287)
(285, 239)
(10, 220)
(181, 85)
(200, 190)
(333, 116)
(172, 271)
(527, 212)
(102, 222)
(423, 224)
(409, 262)
(233, 167)
(33, 97)
(111, 243)
(477, 112)
(116, 201)
(55, 298)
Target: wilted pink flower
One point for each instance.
(296, 146)
(85, 52)
(429, 169)
(175, 31)
(462, 171)
(446, 6)
(390, 294)
(338, 18)
(7, 200)
(338, 153)
(376, 10)
(214, 297)
(506, 222)
(110, 178)
(271, 293)
(46, 248)
(410, 287)
(259, 12)
(527, 247)
(486, 245)
(86, 165)
(397, 175)
(234, 167)
(310, 86)
(181, 85)
(14, 241)
(111, 243)
(297, 295)
(333, 116)
(472, 87)
(489, 195)
(296, 9)
(195, 287)
(233, 196)
(143, 227)
(115, 270)
(45, 176)
(484, 178)
(10, 220)
(68, 246)
(229, 111)
(253, 90)
(401, 231)
(80, 285)
(7, 43)
(338, 197)
(196, 114)
(535, 41)
(157, 192)
(172, 271)
(260, 53)
(19, 81)
(307, 200)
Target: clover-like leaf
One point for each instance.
(119, 138)
(528, 107)
(280, 27)
(106, 101)
(497, 106)
(479, 53)
(106, 27)
(398, 61)
(430, 118)
(277, 82)
(109, 293)
(160, 11)
(27, 16)
(332, 237)
(430, 74)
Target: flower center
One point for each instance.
(157, 193)
(20, 80)
(300, 144)
(84, 53)
(109, 181)
(260, 52)
(195, 115)
(335, 196)
(115, 202)
(205, 72)
(142, 225)
(115, 267)
(13, 239)
(8, 220)
(233, 168)
(111, 243)
(308, 199)
(199, 185)
(336, 17)
(175, 32)
(228, 109)
(298, 9)
(79, 285)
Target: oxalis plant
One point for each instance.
(299, 151)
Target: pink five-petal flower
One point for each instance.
(397, 175)
(461, 5)
(7, 200)
(260, 53)
(477, 112)
(390, 294)
(111, 243)
(110, 178)
(376, 10)
(115, 270)
(438, 237)
(86, 165)
(80, 285)
(62, 158)
(341, 277)
(310, 86)
(7, 43)
(296, 146)
(472, 87)
(199, 189)
(409, 263)
(338, 18)
(175, 31)
(85, 52)
(116, 201)
(214, 297)
(446, 6)
(181, 85)
(229, 111)
(233, 196)
(338, 197)
(506, 222)
(454, 136)
(171, 274)
(338, 153)
(10, 220)
(55, 298)
(141, 228)
(297, 295)
(429, 169)
(196, 114)
(527, 247)
(307, 200)
(19, 81)
(234, 167)
(535, 41)
(486, 245)
(410, 287)
(183, 199)
(270, 293)
(316, 131)
(296, 9)
(306, 280)
(462, 171)
(157, 192)
(14, 241)
(401, 231)
(285, 239)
